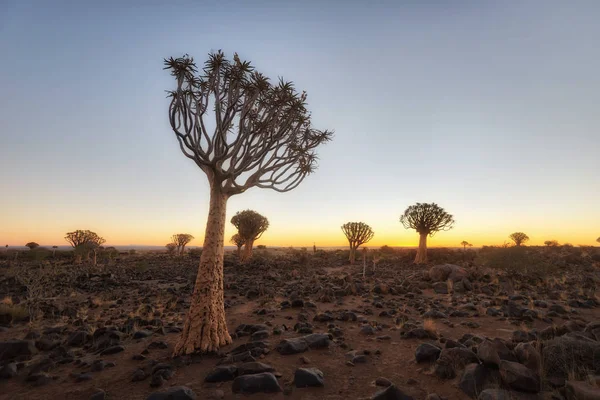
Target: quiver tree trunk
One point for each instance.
(248, 250)
(239, 252)
(352, 257)
(205, 328)
(421, 257)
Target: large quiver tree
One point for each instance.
(250, 225)
(357, 233)
(426, 219)
(260, 136)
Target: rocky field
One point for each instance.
(306, 326)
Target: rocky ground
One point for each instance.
(305, 327)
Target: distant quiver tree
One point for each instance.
(357, 233)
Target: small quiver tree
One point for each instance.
(239, 242)
(357, 233)
(250, 225)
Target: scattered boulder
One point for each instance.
(13, 349)
(427, 352)
(308, 377)
(391, 393)
(264, 382)
(174, 393)
(519, 377)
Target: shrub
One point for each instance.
(195, 253)
(514, 259)
(261, 247)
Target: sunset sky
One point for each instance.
(489, 108)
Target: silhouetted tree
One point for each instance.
(84, 242)
(261, 137)
(519, 238)
(239, 243)
(54, 250)
(171, 247)
(551, 243)
(465, 244)
(250, 225)
(181, 240)
(357, 233)
(32, 245)
(597, 240)
(426, 219)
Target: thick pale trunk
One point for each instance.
(422, 250)
(205, 328)
(239, 253)
(352, 254)
(248, 250)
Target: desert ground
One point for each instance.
(494, 323)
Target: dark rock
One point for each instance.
(418, 333)
(582, 355)
(435, 314)
(174, 393)
(112, 350)
(8, 371)
(427, 352)
(139, 375)
(391, 393)
(440, 287)
(99, 395)
(250, 368)
(453, 359)
(142, 334)
(528, 355)
(222, 374)
(383, 382)
(519, 377)
(308, 377)
(578, 390)
(16, 349)
(488, 355)
(264, 382)
(259, 335)
(79, 338)
(473, 379)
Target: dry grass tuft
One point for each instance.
(7, 301)
(17, 312)
(430, 326)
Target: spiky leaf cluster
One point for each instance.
(250, 225)
(261, 134)
(427, 218)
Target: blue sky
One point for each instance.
(488, 108)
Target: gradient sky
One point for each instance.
(489, 108)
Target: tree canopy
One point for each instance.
(32, 245)
(250, 225)
(357, 233)
(263, 135)
(519, 238)
(181, 240)
(551, 243)
(81, 238)
(427, 218)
